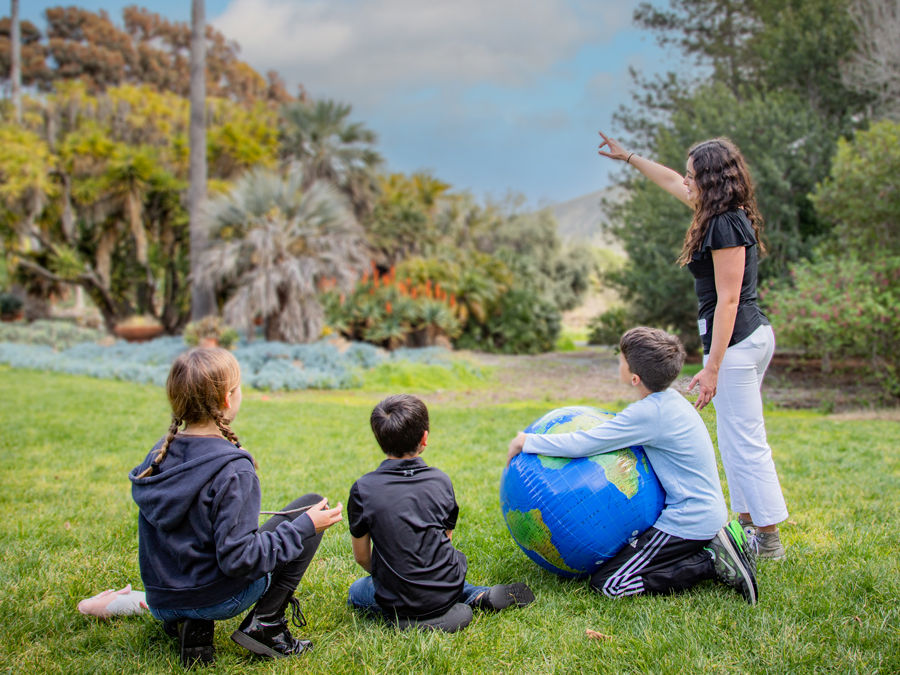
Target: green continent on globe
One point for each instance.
(620, 468)
(553, 462)
(529, 531)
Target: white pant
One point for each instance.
(746, 455)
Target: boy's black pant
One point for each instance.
(287, 575)
(657, 563)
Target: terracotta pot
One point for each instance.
(208, 343)
(138, 333)
(17, 316)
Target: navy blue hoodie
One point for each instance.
(198, 525)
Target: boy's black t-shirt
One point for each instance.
(727, 230)
(407, 506)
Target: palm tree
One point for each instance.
(430, 191)
(274, 243)
(318, 141)
(202, 300)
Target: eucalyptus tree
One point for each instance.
(274, 244)
(320, 143)
(16, 59)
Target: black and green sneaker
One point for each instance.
(733, 561)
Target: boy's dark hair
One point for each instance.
(653, 355)
(399, 422)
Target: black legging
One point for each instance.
(287, 575)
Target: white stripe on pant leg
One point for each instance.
(637, 563)
(635, 586)
(746, 455)
(634, 591)
(623, 572)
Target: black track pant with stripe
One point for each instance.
(657, 563)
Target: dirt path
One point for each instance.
(593, 374)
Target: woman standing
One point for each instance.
(721, 250)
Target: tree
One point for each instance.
(15, 60)
(94, 192)
(715, 33)
(874, 68)
(32, 53)
(320, 142)
(274, 244)
(149, 49)
(202, 301)
(862, 194)
(769, 79)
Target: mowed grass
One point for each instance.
(68, 529)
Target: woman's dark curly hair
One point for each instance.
(724, 182)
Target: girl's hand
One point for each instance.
(323, 517)
(708, 378)
(616, 151)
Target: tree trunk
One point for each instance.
(15, 71)
(202, 299)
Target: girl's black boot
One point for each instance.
(268, 634)
(195, 642)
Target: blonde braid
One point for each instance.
(219, 418)
(164, 450)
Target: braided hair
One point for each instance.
(197, 385)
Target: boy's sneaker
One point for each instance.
(768, 545)
(502, 596)
(747, 526)
(732, 565)
(457, 617)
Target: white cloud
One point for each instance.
(375, 48)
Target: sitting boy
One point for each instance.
(401, 518)
(688, 542)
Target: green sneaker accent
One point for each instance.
(747, 545)
(731, 564)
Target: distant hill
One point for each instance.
(580, 219)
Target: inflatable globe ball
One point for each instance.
(572, 515)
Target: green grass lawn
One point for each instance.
(69, 530)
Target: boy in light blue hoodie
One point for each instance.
(688, 543)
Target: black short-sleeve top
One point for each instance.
(727, 230)
(406, 507)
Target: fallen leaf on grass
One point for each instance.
(791, 522)
(594, 635)
(67, 525)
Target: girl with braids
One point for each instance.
(721, 250)
(203, 555)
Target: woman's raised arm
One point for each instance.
(669, 180)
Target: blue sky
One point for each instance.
(492, 96)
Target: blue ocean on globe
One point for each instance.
(572, 515)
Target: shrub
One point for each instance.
(841, 308)
(523, 323)
(270, 366)
(10, 304)
(55, 334)
(607, 328)
(392, 313)
(210, 327)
